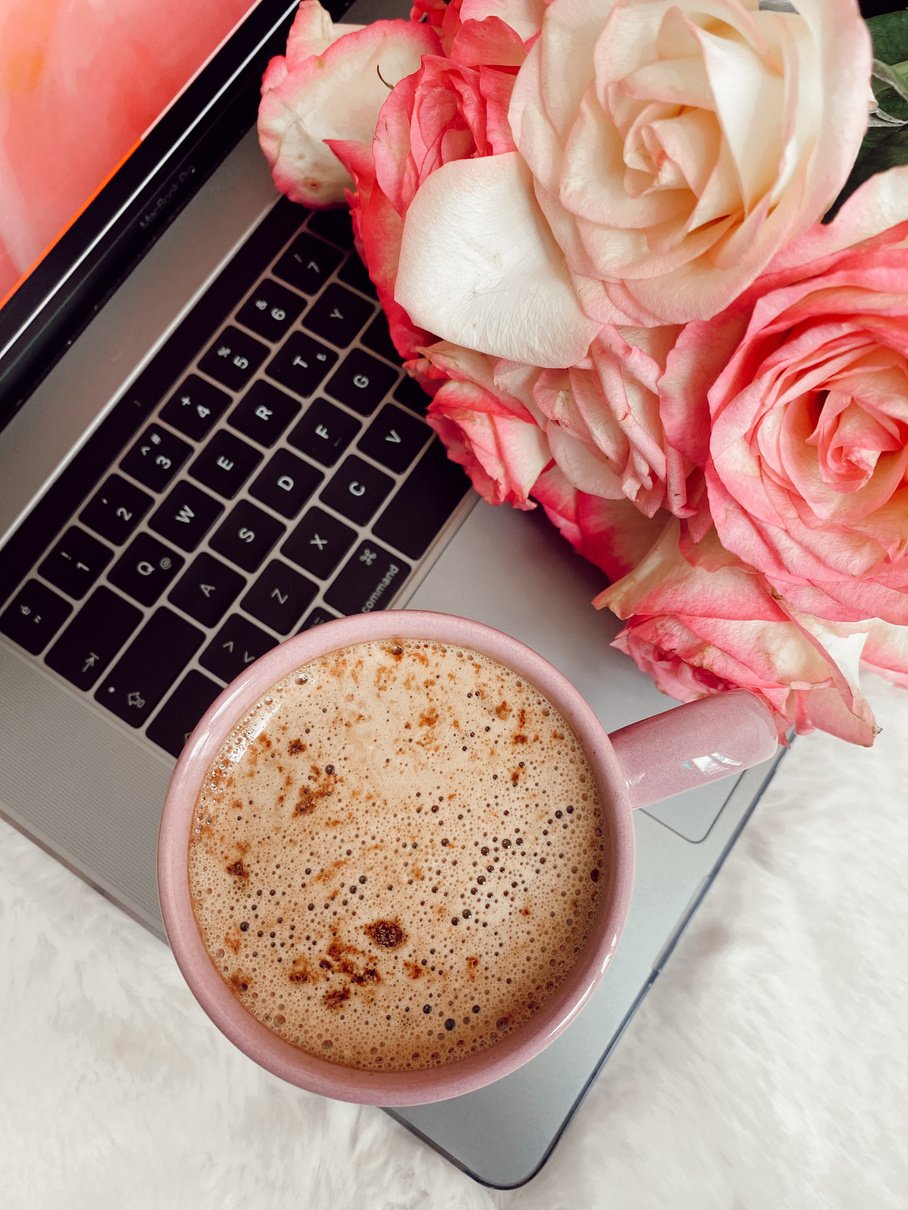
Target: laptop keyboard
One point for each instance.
(270, 469)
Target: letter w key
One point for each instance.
(185, 516)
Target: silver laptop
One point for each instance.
(208, 445)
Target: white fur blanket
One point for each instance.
(767, 1068)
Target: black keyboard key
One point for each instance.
(286, 483)
(233, 358)
(357, 490)
(156, 457)
(246, 535)
(317, 617)
(361, 381)
(368, 580)
(173, 724)
(148, 667)
(145, 569)
(225, 464)
(195, 407)
(93, 637)
(207, 589)
(263, 413)
(234, 647)
(75, 561)
(319, 543)
(377, 338)
(411, 395)
(308, 263)
(34, 616)
(185, 516)
(425, 501)
(324, 432)
(270, 311)
(279, 597)
(338, 315)
(394, 438)
(333, 224)
(301, 364)
(116, 509)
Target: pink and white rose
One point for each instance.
(603, 424)
(599, 422)
(330, 84)
(487, 413)
(706, 623)
(487, 428)
(795, 403)
(594, 228)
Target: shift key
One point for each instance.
(149, 666)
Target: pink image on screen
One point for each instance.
(80, 83)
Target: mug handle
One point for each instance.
(698, 742)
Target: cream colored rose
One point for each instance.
(676, 145)
(669, 148)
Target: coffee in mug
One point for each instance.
(397, 854)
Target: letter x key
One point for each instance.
(318, 543)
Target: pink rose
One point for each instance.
(486, 413)
(794, 402)
(603, 424)
(708, 624)
(599, 422)
(308, 95)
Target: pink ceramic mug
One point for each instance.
(637, 765)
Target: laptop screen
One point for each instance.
(110, 117)
(81, 83)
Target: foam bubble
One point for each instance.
(397, 855)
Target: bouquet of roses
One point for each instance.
(649, 259)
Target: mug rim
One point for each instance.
(300, 1067)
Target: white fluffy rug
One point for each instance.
(768, 1067)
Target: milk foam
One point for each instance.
(397, 855)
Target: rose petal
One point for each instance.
(474, 226)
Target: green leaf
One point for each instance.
(889, 33)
